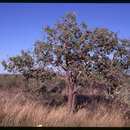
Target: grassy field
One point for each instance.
(18, 109)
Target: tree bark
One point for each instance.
(70, 99)
(69, 91)
(75, 89)
(71, 95)
(73, 102)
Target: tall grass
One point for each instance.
(17, 110)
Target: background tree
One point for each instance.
(20, 64)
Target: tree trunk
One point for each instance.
(68, 89)
(73, 102)
(74, 98)
(71, 96)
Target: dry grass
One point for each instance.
(16, 110)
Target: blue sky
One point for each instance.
(21, 24)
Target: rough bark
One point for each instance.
(70, 98)
(70, 92)
(73, 102)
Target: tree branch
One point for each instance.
(76, 88)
